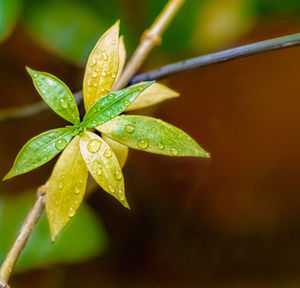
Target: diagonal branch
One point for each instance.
(172, 69)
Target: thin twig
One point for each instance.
(171, 69)
(220, 57)
(23, 236)
(39, 206)
(150, 39)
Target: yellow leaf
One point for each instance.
(103, 165)
(66, 187)
(120, 150)
(102, 67)
(122, 56)
(154, 94)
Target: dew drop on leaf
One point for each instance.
(126, 103)
(71, 212)
(87, 161)
(143, 144)
(94, 145)
(118, 175)
(129, 128)
(160, 146)
(104, 56)
(60, 144)
(107, 153)
(77, 190)
(60, 185)
(174, 151)
(94, 74)
(111, 189)
(63, 103)
(99, 172)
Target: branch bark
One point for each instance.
(29, 224)
(171, 69)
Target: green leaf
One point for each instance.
(39, 251)
(41, 149)
(103, 165)
(112, 105)
(151, 135)
(66, 188)
(56, 94)
(67, 28)
(9, 12)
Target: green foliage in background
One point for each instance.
(71, 28)
(40, 252)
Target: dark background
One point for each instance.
(230, 221)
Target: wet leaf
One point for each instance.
(41, 149)
(102, 67)
(103, 165)
(121, 151)
(56, 94)
(154, 94)
(112, 105)
(39, 251)
(122, 57)
(151, 135)
(66, 188)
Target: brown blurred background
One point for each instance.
(230, 221)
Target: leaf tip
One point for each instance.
(7, 176)
(30, 71)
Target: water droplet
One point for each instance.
(95, 84)
(118, 175)
(104, 56)
(94, 145)
(107, 153)
(76, 202)
(87, 161)
(129, 128)
(174, 151)
(113, 42)
(113, 75)
(99, 172)
(126, 103)
(77, 190)
(141, 89)
(94, 74)
(63, 103)
(111, 96)
(35, 75)
(89, 83)
(103, 73)
(94, 123)
(153, 130)
(60, 185)
(111, 189)
(94, 61)
(84, 138)
(71, 212)
(160, 146)
(51, 82)
(60, 144)
(143, 144)
(45, 158)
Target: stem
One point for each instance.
(148, 42)
(29, 224)
(220, 57)
(175, 68)
(149, 39)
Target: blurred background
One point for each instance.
(231, 221)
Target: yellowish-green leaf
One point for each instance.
(122, 56)
(41, 149)
(120, 150)
(56, 94)
(66, 187)
(103, 165)
(151, 135)
(154, 94)
(112, 105)
(102, 67)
